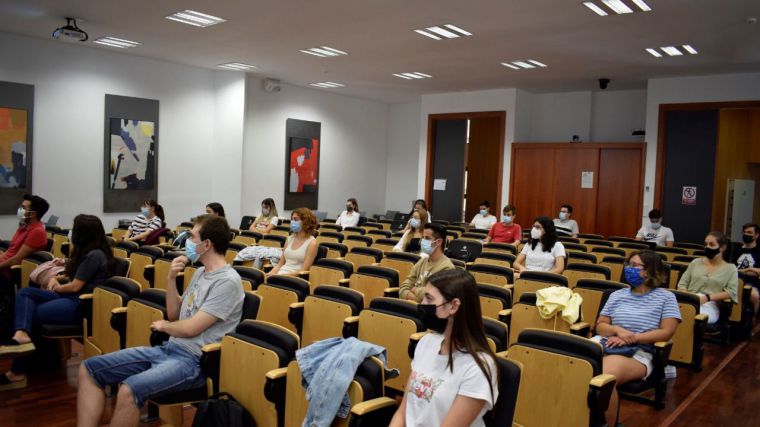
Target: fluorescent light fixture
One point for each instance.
(654, 52)
(439, 32)
(534, 62)
(689, 49)
(642, 5)
(672, 50)
(523, 64)
(507, 64)
(327, 85)
(324, 51)
(237, 66)
(598, 10)
(116, 42)
(413, 76)
(617, 6)
(196, 19)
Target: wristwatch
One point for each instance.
(709, 297)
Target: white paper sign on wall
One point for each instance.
(439, 184)
(587, 179)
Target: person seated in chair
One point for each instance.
(413, 230)
(747, 260)
(301, 247)
(432, 244)
(713, 277)
(210, 308)
(565, 226)
(632, 320)
(215, 208)
(57, 302)
(29, 238)
(421, 204)
(267, 220)
(507, 230)
(542, 252)
(151, 218)
(655, 231)
(350, 216)
(483, 220)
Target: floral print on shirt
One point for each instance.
(423, 386)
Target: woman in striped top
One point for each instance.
(150, 219)
(632, 320)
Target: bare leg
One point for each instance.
(126, 413)
(22, 337)
(90, 400)
(625, 369)
(755, 298)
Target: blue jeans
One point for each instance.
(36, 307)
(148, 371)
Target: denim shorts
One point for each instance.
(148, 371)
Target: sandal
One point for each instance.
(6, 384)
(13, 348)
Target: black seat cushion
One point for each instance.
(566, 344)
(253, 275)
(337, 264)
(493, 269)
(373, 252)
(549, 278)
(269, 337)
(503, 411)
(340, 247)
(383, 272)
(590, 268)
(352, 298)
(294, 284)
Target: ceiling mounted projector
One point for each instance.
(70, 32)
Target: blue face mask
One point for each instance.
(426, 246)
(633, 276)
(295, 226)
(144, 211)
(563, 216)
(414, 222)
(506, 219)
(483, 212)
(656, 226)
(190, 251)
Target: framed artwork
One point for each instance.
(16, 129)
(303, 148)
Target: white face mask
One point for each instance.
(535, 233)
(70, 235)
(21, 213)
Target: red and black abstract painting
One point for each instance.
(303, 165)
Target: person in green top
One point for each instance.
(433, 243)
(714, 278)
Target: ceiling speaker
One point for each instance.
(271, 85)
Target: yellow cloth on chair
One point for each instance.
(550, 301)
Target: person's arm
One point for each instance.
(311, 254)
(491, 223)
(517, 236)
(401, 245)
(399, 418)
(280, 263)
(575, 230)
(640, 234)
(665, 332)
(354, 221)
(605, 328)
(559, 265)
(472, 223)
(69, 288)
(22, 253)
(341, 218)
(173, 300)
(407, 286)
(519, 263)
(185, 328)
(463, 411)
(270, 226)
(683, 283)
(669, 239)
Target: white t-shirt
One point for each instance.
(661, 236)
(263, 225)
(348, 219)
(483, 222)
(538, 260)
(433, 388)
(567, 227)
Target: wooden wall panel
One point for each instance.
(484, 155)
(619, 201)
(532, 183)
(570, 163)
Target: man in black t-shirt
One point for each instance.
(747, 260)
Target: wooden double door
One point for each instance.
(602, 182)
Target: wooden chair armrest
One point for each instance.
(375, 264)
(118, 310)
(85, 297)
(663, 344)
(351, 327)
(391, 292)
(304, 274)
(602, 380)
(295, 315)
(214, 346)
(16, 267)
(150, 267)
(276, 373)
(275, 387)
(364, 408)
(296, 305)
(600, 391)
(505, 316)
(414, 339)
(344, 282)
(417, 336)
(581, 329)
(701, 317)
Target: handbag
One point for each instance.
(626, 350)
(42, 274)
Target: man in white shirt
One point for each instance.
(483, 220)
(655, 231)
(565, 226)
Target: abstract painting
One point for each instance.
(13, 148)
(133, 154)
(303, 165)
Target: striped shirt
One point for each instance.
(140, 224)
(640, 313)
(567, 227)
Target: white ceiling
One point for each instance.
(578, 45)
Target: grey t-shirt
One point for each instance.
(567, 227)
(220, 294)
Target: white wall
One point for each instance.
(725, 87)
(616, 113)
(403, 150)
(353, 154)
(556, 117)
(71, 82)
(459, 102)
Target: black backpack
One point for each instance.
(222, 409)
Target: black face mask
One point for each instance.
(426, 312)
(747, 239)
(710, 252)
(349, 208)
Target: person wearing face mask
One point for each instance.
(565, 226)
(350, 216)
(215, 208)
(632, 320)
(150, 219)
(301, 247)
(747, 260)
(57, 301)
(29, 238)
(483, 220)
(543, 252)
(432, 244)
(268, 220)
(454, 378)
(506, 230)
(655, 231)
(421, 204)
(209, 309)
(713, 277)
(414, 230)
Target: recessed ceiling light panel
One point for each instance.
(324, 52)
(524, 64)
(196, 19)
(413, 76)
(689, 49)
(237, 66)
(672, 51)
(327, 85)
(116, 42)
(616, 7)
(446, 31)
(654, 52)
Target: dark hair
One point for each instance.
(655, 214)
(568, 207)
(308, 220)
(87, 235)
(38, 205)
(550, 234)
(216, 208)
(485, 203)
(158, 209)
(467, 332)
(510, 207)
(355, 203)
(216, 230)
(723, 240)
(753, 226)
(439, 232)
(654, 267)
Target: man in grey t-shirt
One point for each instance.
(564, 224)
(210, 308)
